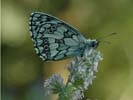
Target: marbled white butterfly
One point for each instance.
(55, 40)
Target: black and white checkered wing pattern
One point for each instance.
(54, 39)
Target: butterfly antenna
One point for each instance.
(107, 42)
(105, 36)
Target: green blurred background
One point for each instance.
(23, 72)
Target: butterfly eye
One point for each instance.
(94, 44)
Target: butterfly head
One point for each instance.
(94, 44)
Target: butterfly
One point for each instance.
(54, 39)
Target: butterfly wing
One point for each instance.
(54, 39)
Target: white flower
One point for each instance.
(53, 85)
(77, 95)
(82, 69)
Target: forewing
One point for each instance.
(54, 39)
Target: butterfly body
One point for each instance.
(54, 39)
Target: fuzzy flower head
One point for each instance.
(54, 84)
(82, 69)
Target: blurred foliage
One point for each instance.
(23, 72)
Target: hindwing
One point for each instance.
(54, 39)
